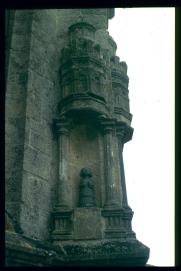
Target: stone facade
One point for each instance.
(67, 120)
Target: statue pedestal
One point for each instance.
(102, 237)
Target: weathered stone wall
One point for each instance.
(8, 35)
(15, 108)
(40, 148)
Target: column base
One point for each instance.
(62, 223)
(118, 223)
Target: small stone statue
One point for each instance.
(86, 196)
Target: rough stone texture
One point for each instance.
(23, 251)
(67, 108)
(15, 107)
(39, 166)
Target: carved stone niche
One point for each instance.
(92, 209)
(92, 205)
(86, 150)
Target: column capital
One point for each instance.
(107, 124)
(61, 126)
(121, 130)
(124, 131)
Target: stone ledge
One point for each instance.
(23, 251)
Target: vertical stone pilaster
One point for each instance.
(110, 200)
(62, 213)
(120, 132)
(62, 132)
(124, 133)
(112, 193)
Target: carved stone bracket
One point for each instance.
(124, 132)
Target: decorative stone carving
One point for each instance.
(85, 70)
(120, 82)
(93, 84)
(86, 196)
(83, 66)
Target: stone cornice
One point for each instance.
(81, 96)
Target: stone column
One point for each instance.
(124, 133)
(112, 193)
(62, 130)
(62, 212)
(120, 132)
